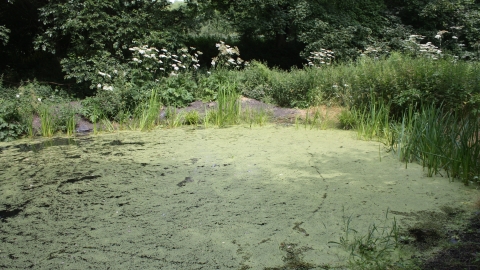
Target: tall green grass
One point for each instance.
(373, 122)
(228, 107)
(148, 112)
(378, 248)
(399, 80)
(442, 141)
(47, 121)
(71, 124)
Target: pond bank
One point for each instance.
(203, 198)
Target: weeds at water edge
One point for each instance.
(378, 248)
(47, 121)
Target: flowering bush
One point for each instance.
(161, 63)
(323, 57)
(228, 57)
(149, 64)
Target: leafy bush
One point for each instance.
(210, 84)
(103, 105)
(192, 118)
(11, 125)
(175, 90)
(108, 104)
(18, 106)
(255, 81)
(347, 119)
(297, 88)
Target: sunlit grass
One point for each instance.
(148, 112)
(47, 121)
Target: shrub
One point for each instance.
(297, 88)
(192, 118)
(175, 90)
(255, 81)
(11, 125)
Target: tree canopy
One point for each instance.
(75, 40)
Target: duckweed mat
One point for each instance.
(233, 198)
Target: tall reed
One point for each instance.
(47, 121)
(228, 106)
(148, 113)
(373, 122)
(443, 142)
(71, 124)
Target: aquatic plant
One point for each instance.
(373, 122)
(149, 112)
(173, 119)
(192, 118)
(47, 121)
(71, 124)
(377, 248)
(251, 116)
(441, 142)
(227, 111)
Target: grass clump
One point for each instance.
(259, 117)
(441, 142)
(192, 118)
(228, 109)
(148, 112)
(377, 249)
(173, 119)
(47, 121)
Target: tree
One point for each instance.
(343, 25)
(95, 36)
(18, 27)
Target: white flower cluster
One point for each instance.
(228, 57)
(323, 57)
(165, 62)
(373, 52)
(105, 86)
(427, 49)
(430, 50)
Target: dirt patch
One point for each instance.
(463, 252)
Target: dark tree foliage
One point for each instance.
(19, 25)
(53, 40)
(459, 18)
(81, 38)
(95, 36)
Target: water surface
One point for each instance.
(228, 198)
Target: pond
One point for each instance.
(232, 198)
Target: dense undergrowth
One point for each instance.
(422, 109)
(425, 110)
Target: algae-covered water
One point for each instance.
(233, 198)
